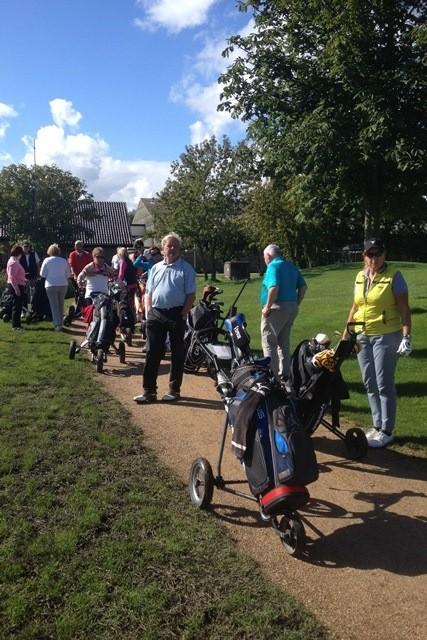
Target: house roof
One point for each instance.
(144, 212)
(111, 227)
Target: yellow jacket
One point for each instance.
(377, 306)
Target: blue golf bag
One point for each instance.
(268, 436)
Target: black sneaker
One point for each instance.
(171, 397)
(145, 398)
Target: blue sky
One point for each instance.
(112, 90)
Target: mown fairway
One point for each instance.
(96, 539)
(325, 309)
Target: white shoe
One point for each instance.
(372, 433)
(382, 440)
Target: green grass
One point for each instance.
(325, 309)
(97, 540)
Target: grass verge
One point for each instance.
(97, 540)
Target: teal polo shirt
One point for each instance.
(285, 275)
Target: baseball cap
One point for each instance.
(374, 243)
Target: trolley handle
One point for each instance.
(351, 328)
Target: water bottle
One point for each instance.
(283, 462)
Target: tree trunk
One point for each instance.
(371, 222)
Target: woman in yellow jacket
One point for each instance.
(381, 302)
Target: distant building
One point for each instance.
(144, 215)
(109, 229)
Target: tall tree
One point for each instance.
(335, 96)
(204, 197)
(39, 203)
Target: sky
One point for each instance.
(113, 90)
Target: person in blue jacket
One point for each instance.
(283, 288)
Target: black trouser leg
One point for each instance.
(176, 335)
(157, 329)
(16, 307)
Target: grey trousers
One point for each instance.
(377, 361)
(56, 297)
(275, 337)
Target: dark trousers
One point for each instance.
(17, 305)
(160, 322)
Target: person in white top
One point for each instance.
(115, 260)
(56, 272)
(96, 274)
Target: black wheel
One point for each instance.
(292, 534)
(201, 483)
(72, 350)
(355, 443)
(122, 352)
(100, 361)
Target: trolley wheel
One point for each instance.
(355, 443)
(121, 349)
(72, 350)
(201, 483)
(292, 534)
(100, 361)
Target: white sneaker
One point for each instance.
(382, 440)
(372, 433)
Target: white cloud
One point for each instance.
(173, 15)
(63, 113)
(89, 158)
(200, 91)
(5, 159)
(6, 113)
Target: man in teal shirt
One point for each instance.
(283, 289)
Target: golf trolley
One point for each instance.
(101, 332)
(205, 325)
(267, 437)
(316, 388)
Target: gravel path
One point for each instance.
(364, 572)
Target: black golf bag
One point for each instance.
(101, 332)
(316, 387)
(40, 307)
(125, 312)
(202, 327)
(268, 435)
(6, 305)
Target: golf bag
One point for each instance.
(101, 332)
(268, 435)
(6, 305)
(315, 387)
(40, 307)
(125, 312)
(202, 327)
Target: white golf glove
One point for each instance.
(405, 346)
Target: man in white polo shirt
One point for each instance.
(169, 296)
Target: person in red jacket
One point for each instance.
(78, 259)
